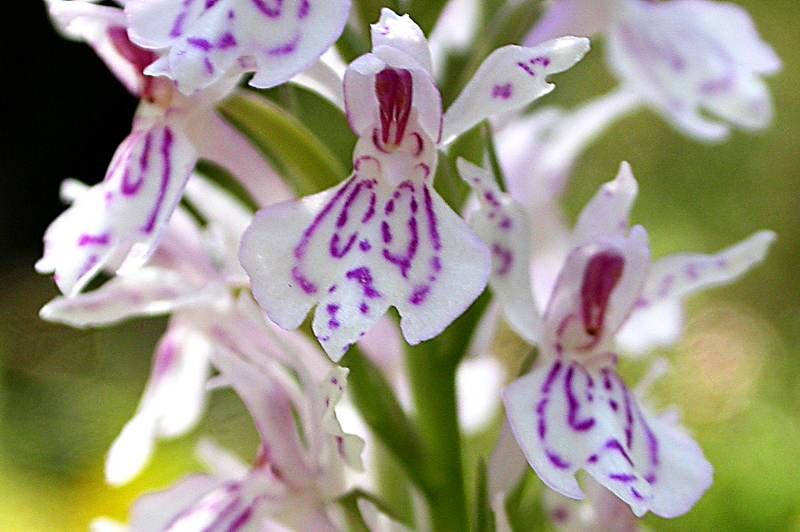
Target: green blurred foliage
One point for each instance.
(65, 394)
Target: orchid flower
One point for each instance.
(116, 225)
(683, 57)
(191, 276)
(384, 237)
(537, 154)
(298, 472)
(575, 412)
(200, 43)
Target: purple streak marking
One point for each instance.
(573, 406)
(166, 176)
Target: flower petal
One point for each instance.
(607, 214)
(171, 404)
(360, 247)
(104, 28)
(402, 33)
(206, 41)
(539, 151)
(150, 291)
(509, 79)
(120, 220)
(583, 18)
(502, 225)
(219, 142)
(266, 394)
(568, 418)
(686, 56)
(596, 291)
(651, 327)
(361, 100)
(348, 446)
(165, 509)
(677, 276)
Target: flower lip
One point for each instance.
(395, 91)
(602, 275)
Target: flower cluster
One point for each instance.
(238, 286)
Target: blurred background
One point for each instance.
(65, 394)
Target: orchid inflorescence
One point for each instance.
(169, 237)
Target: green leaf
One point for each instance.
(294, 151)
(227, 181)
(483, 517)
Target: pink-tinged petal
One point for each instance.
(325, 79)
(596, 291)
(348, 446)
(220, 462)
(219, 142)
(539, 151)
(407, 89)
(651, 327)
(507, 463)
(583, 18)
(267, 394)
(454, 31)
(204, 41)
(502, 224)
(199, 496)
(356, 249)
(117, 223)
(383, 344)
(402, 33)
(104, 28)
(509, 79)
(601, 510)
(731, 24)
(686, 57)
(566, 418)
(150, 291)
(171, 404)
(608, 212)
(677, 276)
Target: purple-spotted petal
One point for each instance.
(205, 40)
(356, 249)
(658, 316)
(686, 57)
(509, 79)
(117, 223)
(348, 446)
(403, 34)
(502, 225)
(607, 214)
(171, 405)
(566, 418)
(595, 293)
(583, 18)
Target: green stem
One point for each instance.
(432, 372)
(375, 399)
(434, 389)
